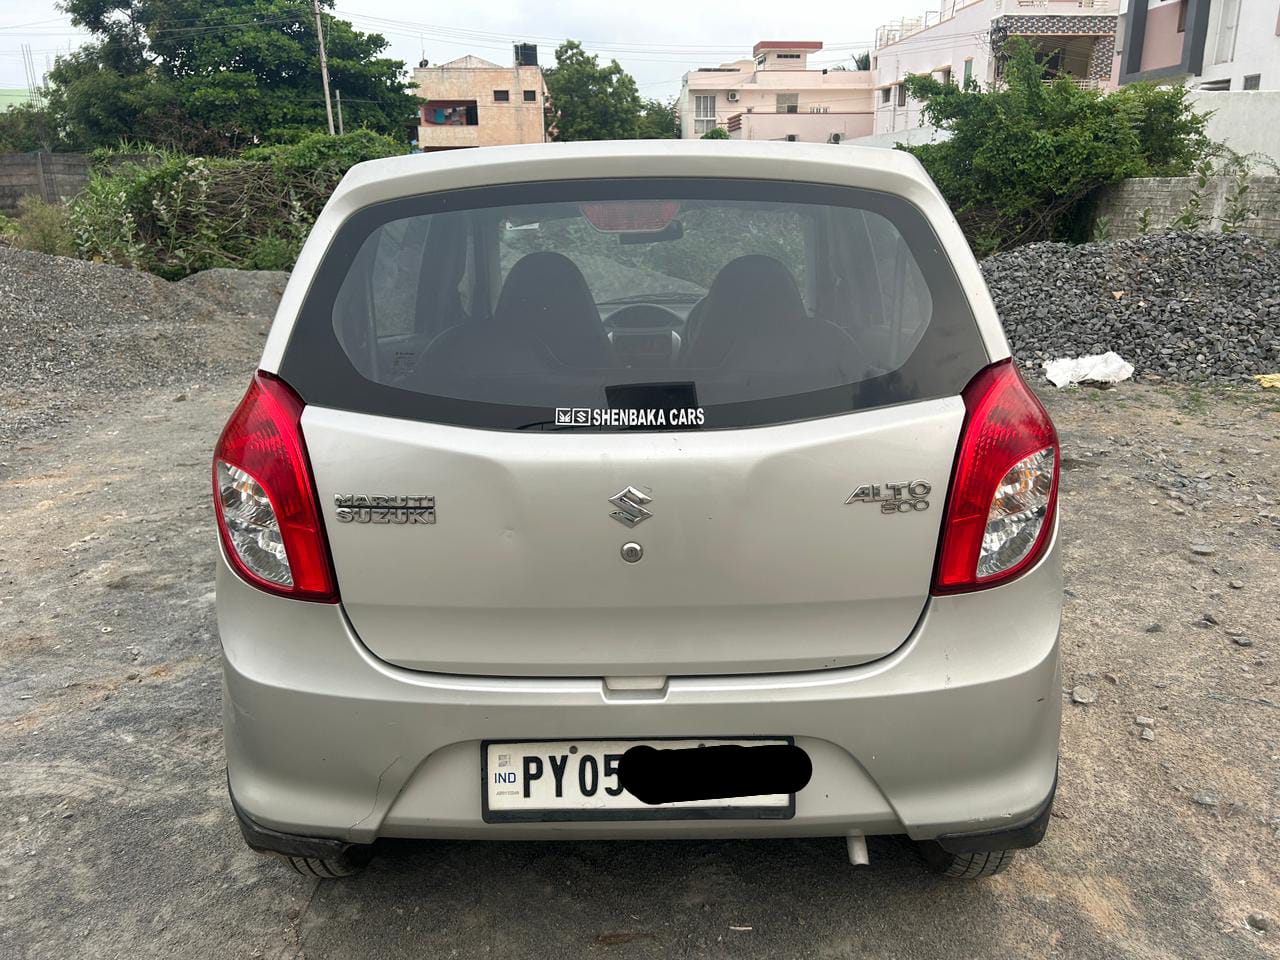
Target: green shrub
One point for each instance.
(1025, 156)
(173, 215)
(41, 227)
(716, 133)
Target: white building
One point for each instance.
(776, 96)
(959, 41)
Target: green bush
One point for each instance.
(174, 215)
(1025, 156)
(716, 133)
(41, 227)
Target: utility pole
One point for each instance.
(324, 65)
(338, 94)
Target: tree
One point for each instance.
(862, 61)
(1025, 155)
(28, 127)
(659, 120)
(215, 76)
(588, 101)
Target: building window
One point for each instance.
(902, 94)
(788, 103)
(886, 93)
(875, 63)
(786, 56)
(1227, 28)
(968, 72)
(1215, 85)
(1253, 81)
(450, 113)
(704, 114)
(945, 75)
(501, 96)
(531, 96)
(1182, 16)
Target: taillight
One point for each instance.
(1005, 487)
(268, 515)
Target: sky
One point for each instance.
(656, 41)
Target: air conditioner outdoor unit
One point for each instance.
(733, 96)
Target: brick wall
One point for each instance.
(1167, 197)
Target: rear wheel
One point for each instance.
(963, 866)
(346, 864)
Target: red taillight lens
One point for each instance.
(268, 515)
(1004, 490)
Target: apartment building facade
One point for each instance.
(472, 102)
(776, 95)
(962, 39)
(1210, 45)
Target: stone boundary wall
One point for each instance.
(49, 176)
(1166, 197)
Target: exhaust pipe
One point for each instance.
(856, 844)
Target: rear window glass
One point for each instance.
(633, 304)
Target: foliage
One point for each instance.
(1192, 215)
(1025, 155)
(1102, 229)
(322, 153)
(173, 215)
(1237, 208)
(1144, 222)
(716, 133)
(588, 101)
(862, 61)
(27, 128)
(659, 120)
(247, 73)
(41, 227)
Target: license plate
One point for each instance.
(578, 780)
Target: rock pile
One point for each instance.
(1186, 307)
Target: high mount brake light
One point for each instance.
(268, 514)
(630, 216)
(1004, 490)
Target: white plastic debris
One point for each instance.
(1107, 367)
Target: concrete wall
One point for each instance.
(1248, 121)
(1167, 197)
(50, 176)
(805, 127)
(1161, 41)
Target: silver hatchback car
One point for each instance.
(639, 489)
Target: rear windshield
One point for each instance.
(651, 304)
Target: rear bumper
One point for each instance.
(953, 737)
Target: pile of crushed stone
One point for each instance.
(1185, 307)
(78, 334)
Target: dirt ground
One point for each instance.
(117, 840)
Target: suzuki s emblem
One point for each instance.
(630, 503)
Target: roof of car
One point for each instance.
(893, 171)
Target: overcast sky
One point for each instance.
(655, 40)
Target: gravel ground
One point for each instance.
(1186, 307)
(117, 839)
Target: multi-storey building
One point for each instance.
(962, 40)
(775, 95)
(471, 102)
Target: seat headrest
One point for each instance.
(751, 296)
(546, 294)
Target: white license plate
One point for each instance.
(578, 780)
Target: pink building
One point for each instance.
(776, 96)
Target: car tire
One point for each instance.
(346, 864)
(963, 866)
